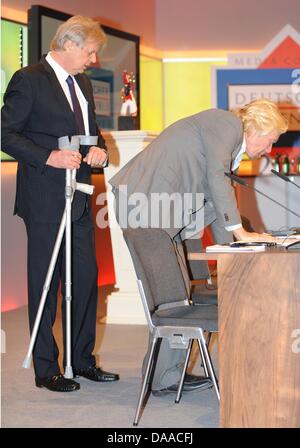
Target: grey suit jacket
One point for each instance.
(190, 156)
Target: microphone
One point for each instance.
(284, 177)
(240, 181)
(296, 244)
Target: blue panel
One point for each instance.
(107, 76)
(229, 77)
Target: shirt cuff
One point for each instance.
(234, 227)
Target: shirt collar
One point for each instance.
(60, 72)
(237, 160)
(243, 147)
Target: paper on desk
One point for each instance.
(289, 237)
(226, 248)
(288, 240)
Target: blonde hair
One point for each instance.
(263, 116)
(78, 29)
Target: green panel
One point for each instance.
(13, 41)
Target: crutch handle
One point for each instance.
(85, 188)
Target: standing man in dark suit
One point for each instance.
(191, 157)
(43, 102)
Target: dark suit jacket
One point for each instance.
(35, 114)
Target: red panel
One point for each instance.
(104, 254)
(286, 55)
(207, 240)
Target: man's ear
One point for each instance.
(69, 45)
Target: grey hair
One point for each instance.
(262, 115)
(78, 29)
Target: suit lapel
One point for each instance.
(59, 94)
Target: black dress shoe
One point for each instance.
(192, 383)
(57, 383)
(189, 378)
(94, 373)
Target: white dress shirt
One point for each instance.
(239, 156)
(62, 76)
(234, 166)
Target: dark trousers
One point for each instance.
(41, 240)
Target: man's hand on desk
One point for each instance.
(242, 235)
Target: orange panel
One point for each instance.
(104, 254)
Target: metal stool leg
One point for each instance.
(188, 354)
(145, 381)
(202, 343)
(204, 364)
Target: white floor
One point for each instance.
(96, 405)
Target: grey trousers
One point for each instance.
(169, 361)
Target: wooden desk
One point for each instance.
(259, 336)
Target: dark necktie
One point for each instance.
(76, 106)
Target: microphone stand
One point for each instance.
(284, 177)
(65, 226)
(240, 181)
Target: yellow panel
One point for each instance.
(151, 95)
(187, 87)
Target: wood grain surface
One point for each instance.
(259, 311)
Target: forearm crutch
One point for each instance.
(71, 185)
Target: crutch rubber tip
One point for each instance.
(26, 363)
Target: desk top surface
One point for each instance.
(202, 255)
